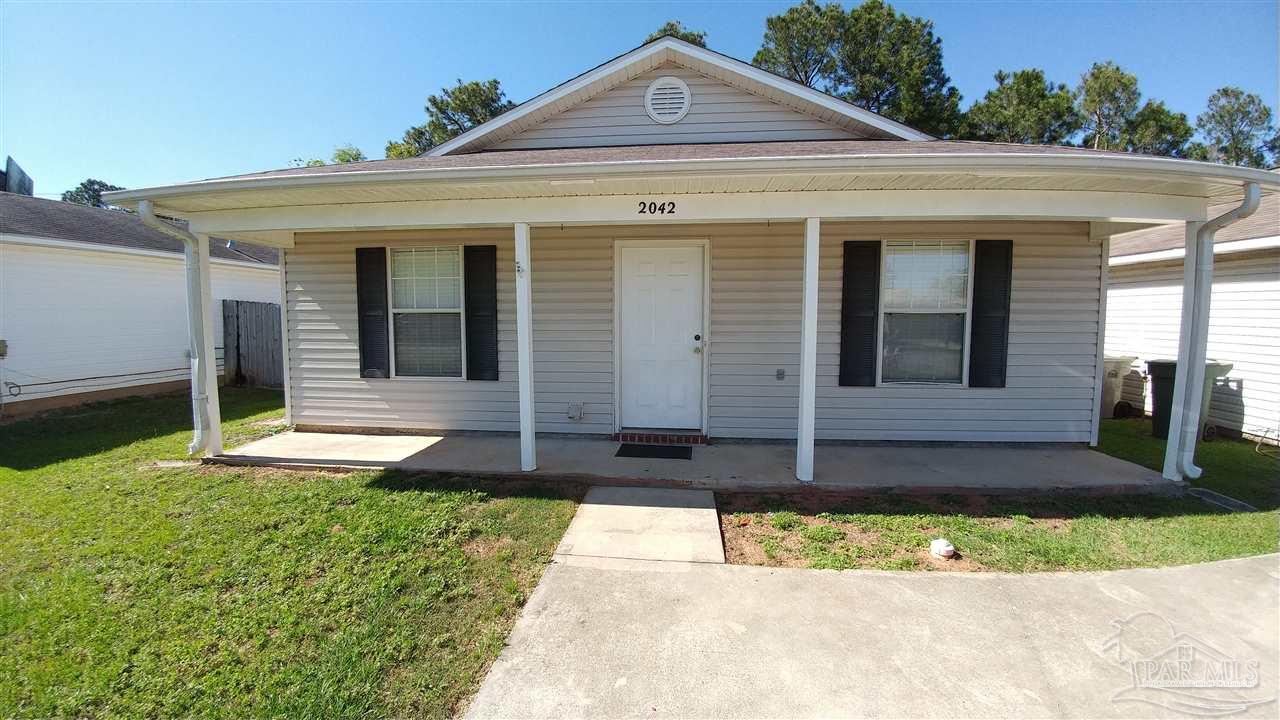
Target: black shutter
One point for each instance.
(859, 304)
(481, 268)
(989, 329)
(371, 311)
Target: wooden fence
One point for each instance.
(251, 341)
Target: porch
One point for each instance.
(723, 466)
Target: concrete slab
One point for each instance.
(335, 448)
(623, 639)
(639, 523)
(726, 465)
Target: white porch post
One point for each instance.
(1189, 361)
(213, 432)
(524, 346)
(808, 352)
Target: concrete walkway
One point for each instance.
(625, 638)
(637, 523)
(725, 466)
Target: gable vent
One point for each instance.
(667, 100)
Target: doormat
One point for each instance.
(664, 452)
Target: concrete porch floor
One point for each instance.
(721, 466)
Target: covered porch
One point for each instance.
(814, 204)
(725, 466)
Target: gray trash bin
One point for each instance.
(1114, 371)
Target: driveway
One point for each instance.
(606, 637)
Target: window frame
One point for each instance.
(461, 311)
(881, 311)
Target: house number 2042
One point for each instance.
(657, 208)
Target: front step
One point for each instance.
(660, 437)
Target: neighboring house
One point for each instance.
(93, 303)
(678, 241)
(1144, 303)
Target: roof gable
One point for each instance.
(671, 52)
(717, 112)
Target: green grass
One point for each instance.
(1231, 467)
(128, 590)
(1023, 533)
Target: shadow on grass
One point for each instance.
(429, 482)
(87, 430)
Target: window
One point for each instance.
(925, 311)
(426, 312)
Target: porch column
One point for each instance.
(524, 346)
(808, 353)
(213, 431)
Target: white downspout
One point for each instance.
(195, 324)
(1198, 340)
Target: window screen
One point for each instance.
(925, 303)
(426, 306)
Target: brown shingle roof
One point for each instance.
(702, 151)
(38, 217)
(1265, 222)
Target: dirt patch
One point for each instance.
(486, 545)
(892, 532)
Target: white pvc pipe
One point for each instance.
(195, 324)
(1198, 338)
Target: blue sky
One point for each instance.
(147, 94)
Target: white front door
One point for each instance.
(661, 336)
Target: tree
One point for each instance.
(451, 113)
(348, 154)
(1237, 126)
(1107, 99)
(891, 64)
(89, 193)
(1023, 108)
(1157, 130)
(799, 43)
(676, 29)
(300, 162)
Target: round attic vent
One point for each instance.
(667, 100)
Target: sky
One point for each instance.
(157, 93)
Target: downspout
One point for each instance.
(195, 324)
(1198, 342)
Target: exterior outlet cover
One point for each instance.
(575, 411)
(781, 374)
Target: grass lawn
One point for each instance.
(1019, 533)
(136, 591)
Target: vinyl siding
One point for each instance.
(324, 357)
(116, 317)
(755, 295)
(1144, 310)
(1052, 345)
(719, 113)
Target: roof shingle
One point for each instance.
(38, 217)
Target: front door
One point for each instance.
(660, 336)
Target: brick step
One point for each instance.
(661, 438)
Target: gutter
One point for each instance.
(200, 365)
(1198, 335)
(978, 163)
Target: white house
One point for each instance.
(1144, 301)
(676, 242)
(93, 303)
